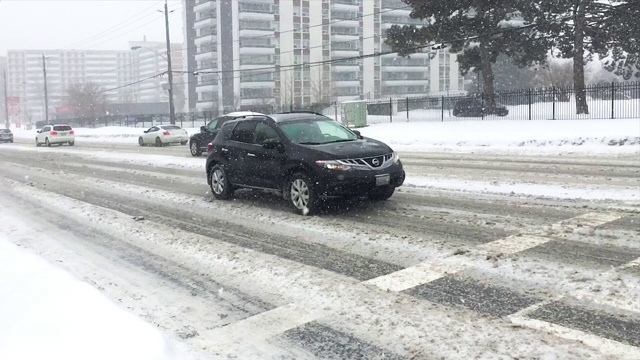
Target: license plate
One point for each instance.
(383, 180)
(64, 133)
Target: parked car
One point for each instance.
(6, 135)
(164, 135)
(198, 142)
(56, 134)
(476, 108)
(304, 157)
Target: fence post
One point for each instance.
(407, 109)
(613, 99)
(530, 101)
(553, 92)
(483, 104)
(442, 110)
(390, 110)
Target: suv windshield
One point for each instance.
(316, 132)
(2, 131)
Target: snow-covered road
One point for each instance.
(480, 256)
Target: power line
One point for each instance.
(113, 28)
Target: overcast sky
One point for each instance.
(84, 24)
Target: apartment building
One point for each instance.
(250, 53)
(151, 59)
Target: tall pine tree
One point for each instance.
(477, 30)
(578, 30)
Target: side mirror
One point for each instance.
(358, 134)
(39, 131)
(146, 131)
(203, 129)
(271, 144)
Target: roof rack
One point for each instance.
(301, 112)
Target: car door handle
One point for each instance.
(224, 150)
(251, 154)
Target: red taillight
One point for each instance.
(209, 147)
(165, 133)
(71, 132)
(53, 133)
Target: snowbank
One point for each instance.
(585, 136)
(47, 314)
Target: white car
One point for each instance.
(56, 134)
(164, 134)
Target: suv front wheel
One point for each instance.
(220, 186)
(381, 193)
(301, 194)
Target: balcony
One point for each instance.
(255, 31)
(210, 39)
(405, 82)
(343, 53)
(207, 88)
(262, 84)
(211, 22)
(349, 5)
(346, 83)
(348, 67)
(257, 50)
(206, 55)
(204, 5)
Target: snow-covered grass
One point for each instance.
(48, 314)
(584, 136)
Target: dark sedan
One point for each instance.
(6, 135)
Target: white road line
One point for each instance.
(606, 346)
(429, 271)
(413, 276)
(262, 326)
(514, 244)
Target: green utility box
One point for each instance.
(354, 114)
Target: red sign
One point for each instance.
(13, 102)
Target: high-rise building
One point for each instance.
(249, 53)
(150, 60)
(3, 96)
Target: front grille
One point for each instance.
(371, 162)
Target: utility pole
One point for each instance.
(6, 100)
(172, 109)
(46, 94)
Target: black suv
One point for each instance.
(198, 142)
(303, 156)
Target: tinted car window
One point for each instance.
(171, 127)
(4, 131)
(62, 128)
(264, 132)
(212, 124)
(243, 132)
(46, 128)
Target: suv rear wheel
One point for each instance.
(220, 186)
(301, 194)
(382, 193)
(195, 148)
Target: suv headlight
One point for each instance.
(332, 165)
(395, 157)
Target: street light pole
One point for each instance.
(46, 94)
(6, 100)
(172, 110)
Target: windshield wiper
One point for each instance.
(309, 143)
(341, 140)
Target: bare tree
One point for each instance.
(87, 100)
(555, 74)
(287, 91)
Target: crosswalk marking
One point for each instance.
(606, 346)
(432, 270)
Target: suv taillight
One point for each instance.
(53, 132)
(165, 133)
(72, 132)
(209, 147)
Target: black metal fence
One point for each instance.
(605, 101)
